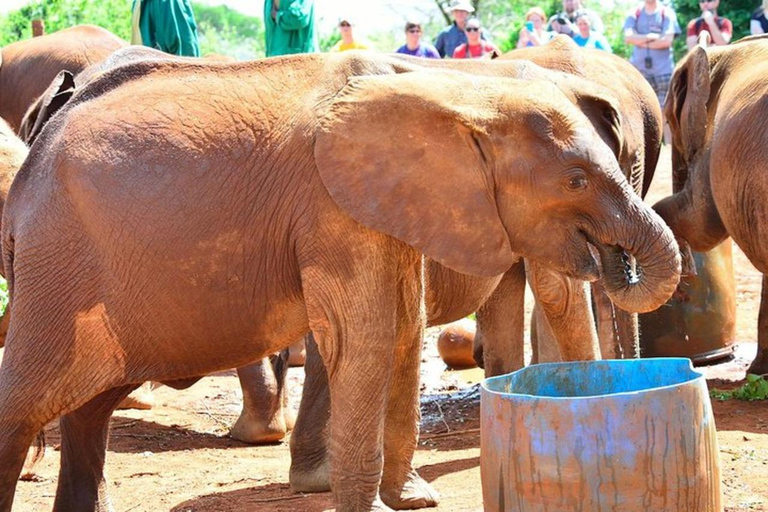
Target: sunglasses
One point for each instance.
(414, 30)
(473, 29)
(344, 24)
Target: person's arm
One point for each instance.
(524, 38)
(440, 44)
(720, 37)
(690, 34)
(664, 40)
(294, 14)
(755, 27)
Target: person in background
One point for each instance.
(347, 41)
(720, 29)
(414, 45)
(289, 27)
(453, 36)
(650, 30)
(475, 47)
(534, 33)
(167, 25)
(587, 38)
(759, 23)
(564, 21)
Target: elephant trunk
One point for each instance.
(645, 237)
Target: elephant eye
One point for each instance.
(576, 181)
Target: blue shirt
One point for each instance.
(593, 41)
(451, 38)
(662, 22)
(425, 50)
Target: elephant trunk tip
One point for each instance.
(642, 287)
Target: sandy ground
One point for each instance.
(178, 456)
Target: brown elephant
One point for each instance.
(157, 247)
(28, 67)
(450, 295)
(716, 108)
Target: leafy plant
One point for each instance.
(756, 388)
(3, 295)
(222, 30)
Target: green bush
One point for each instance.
(222, 30)
(756, 388)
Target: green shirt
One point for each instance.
(293, 28)
(168, 25)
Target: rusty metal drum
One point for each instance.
(699, 321)
(629, 435)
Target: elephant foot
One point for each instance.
(416, 493)
(143, 398)
(311, 480)
(252, 430)
(760, 365)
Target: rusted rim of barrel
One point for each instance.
(691, 376)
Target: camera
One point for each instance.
(648, 62)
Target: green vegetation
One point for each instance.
(3, 295)
(756, 388)
(222, 30)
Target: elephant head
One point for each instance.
(691, 210)
(488, 170)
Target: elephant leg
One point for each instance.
(501, 325)
(566, 329)
(310, 460)
(610, 348)
(354, 317)
(760, 365)
(401, 486)
(17, 431)
(264, 418)
(33, 392)
(84, 435)
(544, 343)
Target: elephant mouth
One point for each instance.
(616, 264)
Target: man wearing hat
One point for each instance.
(453, 36)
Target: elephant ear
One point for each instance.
(406, 155)
(686, 106)
(55, 96)
(603, 114)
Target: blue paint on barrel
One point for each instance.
(599, 435)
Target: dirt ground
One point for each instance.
(178, 456)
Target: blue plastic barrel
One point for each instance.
(619, 435)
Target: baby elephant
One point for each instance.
(176, 218)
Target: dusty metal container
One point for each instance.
(699, 321)
(628, 435)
